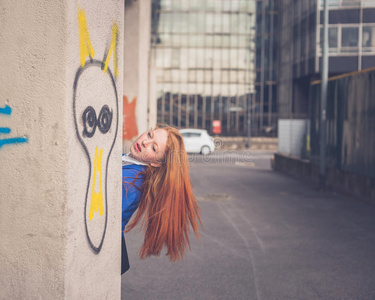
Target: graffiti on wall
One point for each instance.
(7, 110)
(95, 109)
(129, 125)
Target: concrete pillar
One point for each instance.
(60, 144)
(136, 70)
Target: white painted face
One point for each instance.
(95, 108)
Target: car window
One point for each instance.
(185, 134)
(195, 134)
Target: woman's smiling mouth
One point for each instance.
(138, 147)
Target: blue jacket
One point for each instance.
(130, 194)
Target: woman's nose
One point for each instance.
(146, 143)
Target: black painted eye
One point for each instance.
(89, 121)
(105, 119)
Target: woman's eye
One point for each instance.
(153, 148)
(149, 134)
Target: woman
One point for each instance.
(156, 181)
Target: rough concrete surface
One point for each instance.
(53, 181)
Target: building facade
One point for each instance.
(204, 56)
(266, 66)
(351, 46)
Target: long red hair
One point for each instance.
(167, 207)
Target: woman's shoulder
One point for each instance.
(136, 168)
(132, 171)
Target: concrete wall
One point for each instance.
(358, 186)
(57, 239)
(33, 86)
(137, 96)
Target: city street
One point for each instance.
(266, 236)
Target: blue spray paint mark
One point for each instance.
(6, 110)
(18, 140)
(5, 130)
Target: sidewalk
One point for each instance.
(239, 143)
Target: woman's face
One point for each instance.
(150, 147)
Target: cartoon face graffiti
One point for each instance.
(95, 108)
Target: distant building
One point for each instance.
(266, 67)
(351, 46)
(204, 55)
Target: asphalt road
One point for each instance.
(266, 236)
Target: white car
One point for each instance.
(197, 141)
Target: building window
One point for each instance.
(368, 39)
(349, 39)
(175, 58)
(166, 4)
(210, 23)
(201, 52)
(342, 3)
(367, 3)
(351, 2)
(332, 2)
(332, 39)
